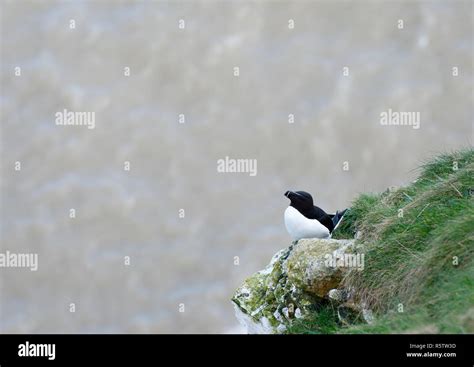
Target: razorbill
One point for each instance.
(304, 220)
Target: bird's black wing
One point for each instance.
(322, 217)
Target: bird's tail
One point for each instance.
(337, 218)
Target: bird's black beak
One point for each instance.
(288, 193)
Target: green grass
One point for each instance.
(419, 255)
(322, 322)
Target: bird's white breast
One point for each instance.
(298, 226)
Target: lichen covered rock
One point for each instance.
(295, 283)
(313, 267)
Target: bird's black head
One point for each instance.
(300, 200)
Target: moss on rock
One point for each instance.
(292, 286)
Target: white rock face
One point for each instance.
(251, 325)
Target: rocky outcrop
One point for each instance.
(298, 280)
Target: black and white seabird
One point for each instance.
(304, 220)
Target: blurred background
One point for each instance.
(190, 261)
